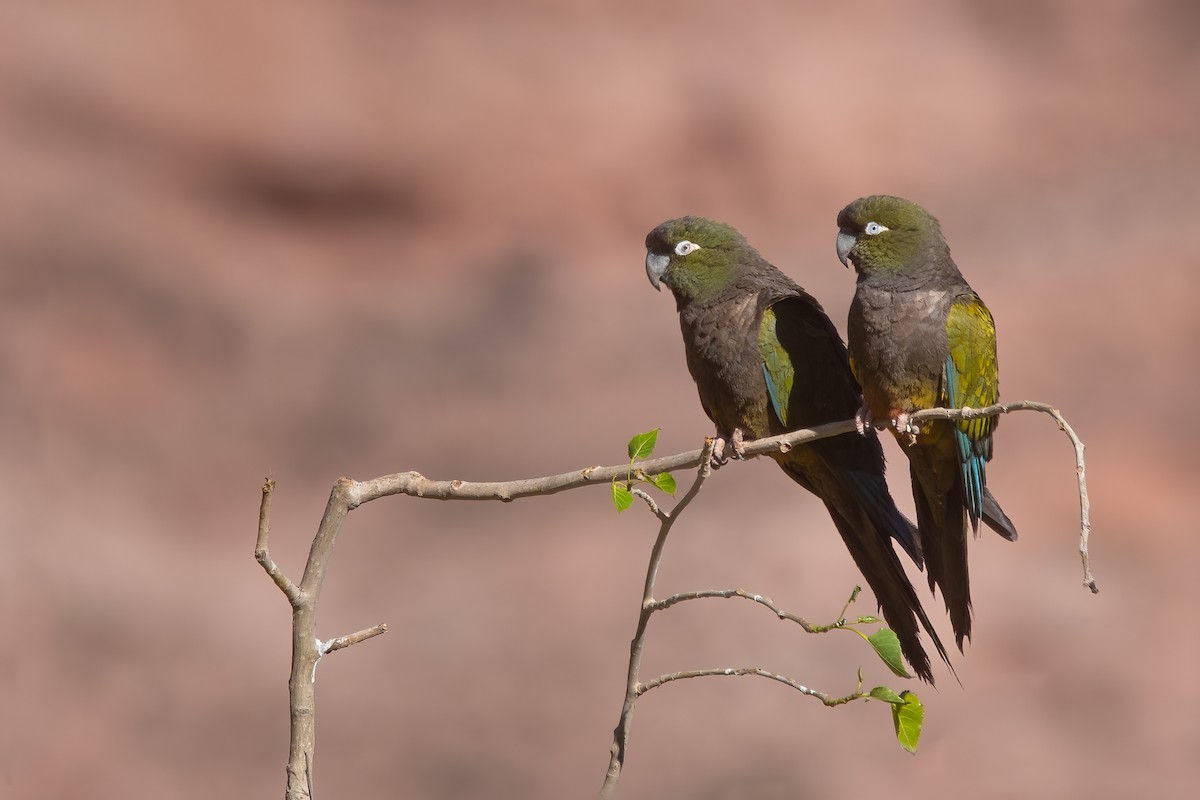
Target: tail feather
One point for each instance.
(972, 454)
(898, 601)
(995, 517)
(867, 519)
(973, 477)
(942, 520)
(873, 493)
(943, 502)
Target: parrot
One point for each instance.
(766, 359)
(920, 337)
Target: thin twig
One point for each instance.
(683, 597)
(762, 673)
(651, 502)
(262, 550)
(354, 638)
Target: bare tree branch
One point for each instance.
(417, 485)
(348, 494)
(307, 649)
(634, 688)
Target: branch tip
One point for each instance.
(343, 642)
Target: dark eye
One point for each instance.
(685, 247)
(874, 229)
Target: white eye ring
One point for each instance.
(874, 229)
(685, 247)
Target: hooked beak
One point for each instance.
(655, 267)
(845, 242)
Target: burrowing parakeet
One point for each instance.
(766, 360)
(920, 337)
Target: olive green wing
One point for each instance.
(972, 380)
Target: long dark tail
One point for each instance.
(855, 500)
(942, 520)
(942, 516)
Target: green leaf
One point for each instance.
(642, 445)
(867, 620)
(664, 481)
(887, 647)
(621, 496)
(886, 695)
(908, 718)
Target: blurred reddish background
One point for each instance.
(312, 239)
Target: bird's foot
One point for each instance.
(739, 447)
(863, 420)
(905, 427)
(718, 458)
(736, 444)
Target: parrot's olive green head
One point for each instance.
(695, 257)
(883, 234)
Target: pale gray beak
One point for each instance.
(845, 242)
(655, 267)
